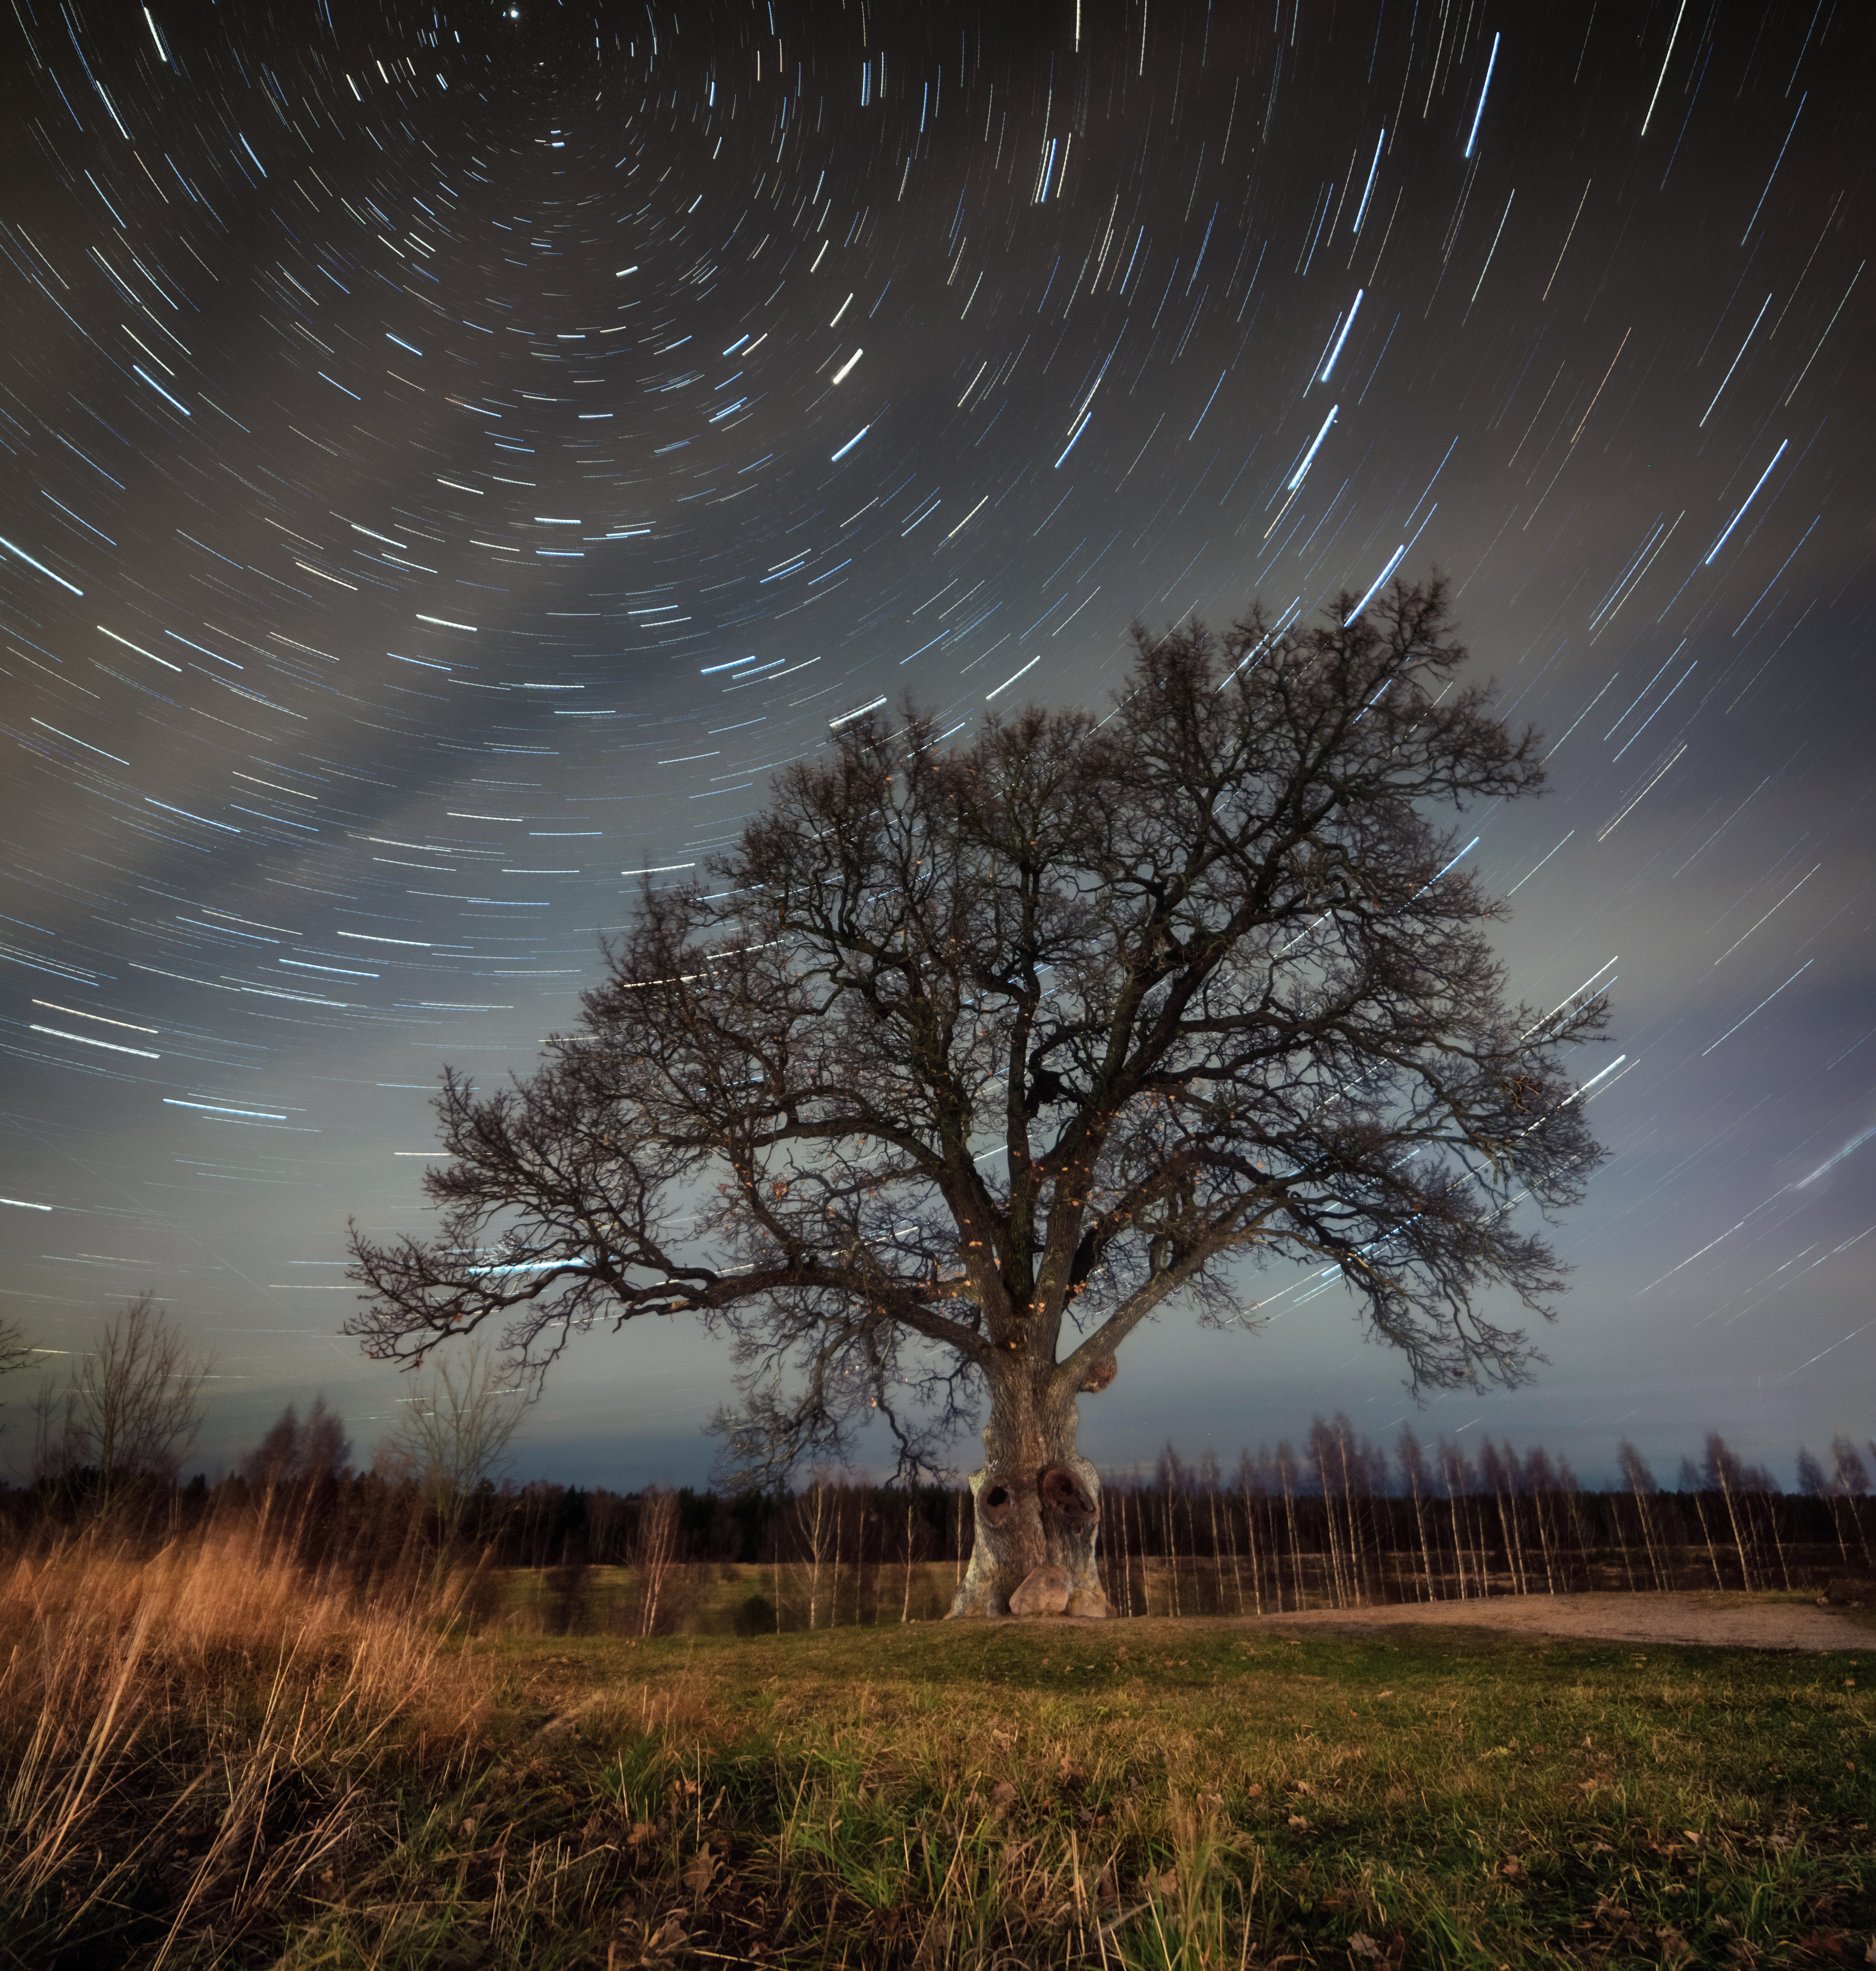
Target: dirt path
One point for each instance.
(1728, 1621)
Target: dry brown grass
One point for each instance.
(192, 1736)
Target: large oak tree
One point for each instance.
(968, 1061)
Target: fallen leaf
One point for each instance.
(702, 1867)
(670, 1938)
(1612, 1916)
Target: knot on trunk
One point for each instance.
(996, 1505)
(1065, 1495)
(1100, 1376)
(1044, 1591)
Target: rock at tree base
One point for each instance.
(1089, 1603)
(1044, 1591)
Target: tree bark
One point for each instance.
(1037, 1502)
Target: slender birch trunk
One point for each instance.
(1250, 1540)
(1296, 1549)
(1426, 1559)
(1739, 1539)
(1237, 1580)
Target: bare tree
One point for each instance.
(1254, 1489)
(816, 1514)
(1540, 1481)
(905, 1607)
(1725, 1475)
(967, 1062)
(134, 1404)
(15, 1351)
(833, 1593)
(454, 1432)
(1324, 1442)
(1286, 1476)
(653, 1552)
(1851, 1484)
(292, 1452)
(1413, 1465)
(1169, 1475)
(1690, 1482)
(1641, 1481)
(1456, 1472)
(1208, 1477)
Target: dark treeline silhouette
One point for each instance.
(1337, 1521)
(1334, 1520)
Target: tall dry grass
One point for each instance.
(192, 1736)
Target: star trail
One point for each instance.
(453, 459)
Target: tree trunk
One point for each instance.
(1038, 1512)
(1713, 1558)
(1426, 1557)
(833, 1591)
(1172, 1547)
(1615, 1516)
(1231, 1534)
(1357, 1558)
(1328, 1517)
(1739, 1539)
(1545, 1540)
(1296, 1549)
(1769, 1506)
(1648, 1538)
(1139, 1531)
(1126, 1562)
(1836, 1522)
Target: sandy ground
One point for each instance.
(1728, 1621)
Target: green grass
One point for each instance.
(1167, 1794)
(1144, 1793)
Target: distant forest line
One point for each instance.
(1331, 1521)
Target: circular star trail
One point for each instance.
(453, 459)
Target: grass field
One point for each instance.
(207, 1759)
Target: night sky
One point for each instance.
(451, 458)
